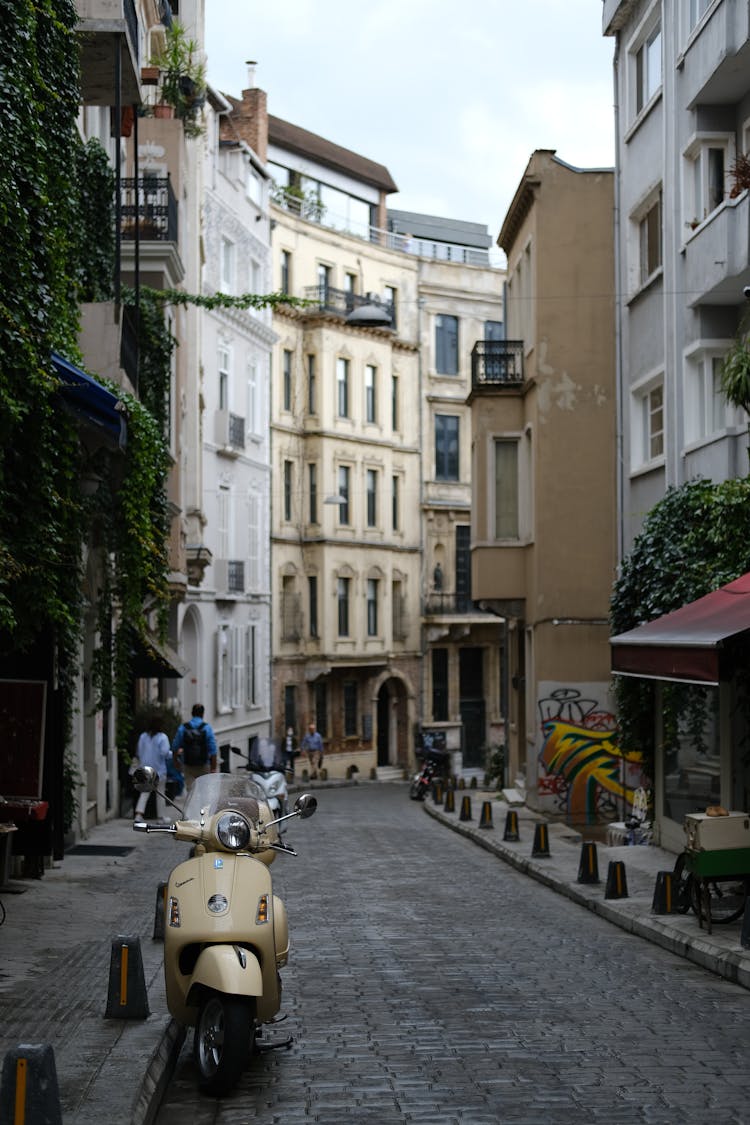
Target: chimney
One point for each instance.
(251, 118)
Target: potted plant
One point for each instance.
(183, 78)
(740, 173)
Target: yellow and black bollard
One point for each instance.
(450, 801)
(617, 884)
(540, 847)
(663, 900)
(485, 817)
(588, 868)
(127, 998)
(473, 782)
(465, 813)
(511, 826)
(437, 792)
(28, 1089)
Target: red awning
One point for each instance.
(687, 644)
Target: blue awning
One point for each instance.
(91, 401)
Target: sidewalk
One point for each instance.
(720, 952)
(56, 947)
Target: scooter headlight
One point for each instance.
(233, 831)
(275, 787)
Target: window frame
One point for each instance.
(371, 495)
(446, 344)
(344, 491)
(343, 602)
(343, 397)
(371, 393)
(444, 456)
(644, 409)
(286, 379)
(644, 90)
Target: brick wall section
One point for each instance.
(250, 121)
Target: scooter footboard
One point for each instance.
(228, 969)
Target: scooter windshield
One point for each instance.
(212, 791)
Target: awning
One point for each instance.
(98, 407)
(690, 644)
(151, 659)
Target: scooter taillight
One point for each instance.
(173, 911)
(261, 915)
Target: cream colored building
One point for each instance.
(544, 454)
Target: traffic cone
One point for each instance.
(465, 808)
(450, 801)
(588, 868)
(485, 818)
(617, 884)
(127, 998)
(161, 902)
(663, 901)
(511, 825)
(540, 846)
(28, 1087)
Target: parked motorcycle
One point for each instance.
(267, 767)
(225, 934)
(434, 767)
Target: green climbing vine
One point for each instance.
(694, 540)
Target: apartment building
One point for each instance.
(682, 95)
(543, 472)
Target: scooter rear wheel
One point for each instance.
(224, 1037)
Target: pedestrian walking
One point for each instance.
(312, 744)
(153, 750)
(195, 746)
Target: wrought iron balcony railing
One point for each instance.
(342, 302)
(149, 208)
(497, 363)
(440, 604)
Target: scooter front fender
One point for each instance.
(228, 969)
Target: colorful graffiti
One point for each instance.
(586, 774)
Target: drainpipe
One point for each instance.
(619, 373)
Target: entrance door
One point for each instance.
(384, 720)
(472, 706)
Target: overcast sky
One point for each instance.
(452, 97)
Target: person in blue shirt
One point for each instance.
(312, 745)
(195, 746)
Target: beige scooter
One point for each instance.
(225, 931)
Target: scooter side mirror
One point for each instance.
(145, 779)
(305, 805)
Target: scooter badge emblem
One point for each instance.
(218, 863)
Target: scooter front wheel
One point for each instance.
(224, 1037)
(418, 789)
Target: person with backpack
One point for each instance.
(195, 745)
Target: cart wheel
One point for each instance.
(683, 885)
(724, 897)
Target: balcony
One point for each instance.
(717, 57)
(229, 576)
(497, 364)
(717, 255)
(448, 605)
(341, 302)
(230, 432)
(149, 209)
(109, 35)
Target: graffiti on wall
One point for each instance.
(582, 770)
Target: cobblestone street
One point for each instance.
(429, 982)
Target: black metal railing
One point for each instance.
(440, 604)
(236, 576)
(342, 301)
(149, 208)
(497, 363)
(236, 431)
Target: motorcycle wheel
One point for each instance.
(417, 790)
(224, 1037)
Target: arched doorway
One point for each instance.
(393, 723)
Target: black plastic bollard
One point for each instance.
(473, 783)
(28, 1089)
(485, 818)
(588, 868)
(511, 826)
(437, 792)
(663, 901)
(127, 998)
(450, 801)
(617, 884)
(465, 813)
(540, 846)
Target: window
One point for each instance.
(286, 272)
(288, 471)
(251, 661)
(506, 489)
(647, 67)
(291, 613)
(446, 447)
(372, 498)
(372, 607)
(350, 708)
(344, 477)
(440, 685)
(350, 288)
(494, 330)
(312, 481)
(230, 668)
(696, 10)
(224, 371)
(227, 266)
(395, 504)
(342, 387)
(343, 606)
(390, 295)
(312, 598)
(398, 611)
(395, 416)
(252, 399)
(707, 411)
(707, 160)
(370, 393)
(311, 385)
(648, 424)
(287, 378)
(324, 282)
(649, 241)
(446, 345)
(290, 706)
